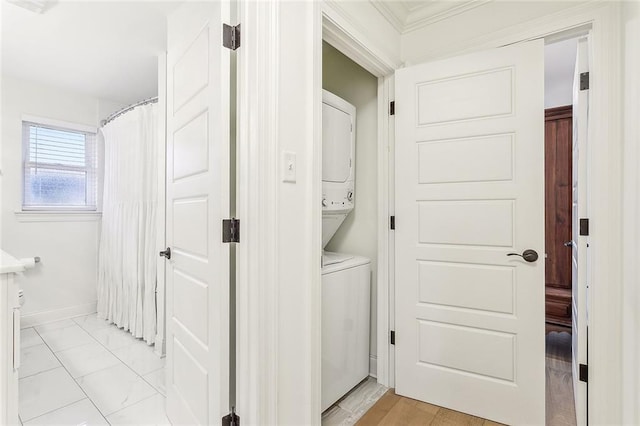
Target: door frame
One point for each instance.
(605, 186)
(345, 37)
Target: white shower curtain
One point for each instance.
(128, 253)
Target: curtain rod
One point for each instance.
(127, 109)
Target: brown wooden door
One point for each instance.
(558, 165)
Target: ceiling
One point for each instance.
(409, 15)
(106, 49)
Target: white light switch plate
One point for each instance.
(289, 166)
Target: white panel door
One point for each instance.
(197, 275)
(470, 191)
(579, 253)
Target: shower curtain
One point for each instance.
(127, 254)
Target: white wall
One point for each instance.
(630, 29)
(559, 67)
(358, 234)
(64, 284)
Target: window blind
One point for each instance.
(60, 168)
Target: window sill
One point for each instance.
(57, 216)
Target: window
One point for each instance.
(60, 168)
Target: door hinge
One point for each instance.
(392, 108)
(584, 373)
(392, 222)
(231, 419)
(231, 36)
(231, 230)
(584, 81)
(393, 337)
(584, 226)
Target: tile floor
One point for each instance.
(355, 404)
(85, 371)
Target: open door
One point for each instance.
(197, 274)
(579, 210)
(470, 233)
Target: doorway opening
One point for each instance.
(565, 203)
(350, 237)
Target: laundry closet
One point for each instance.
(349, 215)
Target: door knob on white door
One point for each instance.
(166, 253)
(528, 255)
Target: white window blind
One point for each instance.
(60, 168)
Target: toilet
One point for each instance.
(345, 277)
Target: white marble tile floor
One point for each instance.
(348, 410)
(59, 339)
(157, 380)
(37, 359)
(86, 371)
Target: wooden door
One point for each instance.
(197, 200)
(469, 200)
(558, 223)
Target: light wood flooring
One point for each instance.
(392, 409)
(395, 410)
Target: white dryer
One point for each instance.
(338, 162)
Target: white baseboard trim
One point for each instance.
(373, 366)
(37, 318)
(159, 348)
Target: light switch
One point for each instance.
(289, 166)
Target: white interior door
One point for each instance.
(197, 275)
(579, 253)
(470, 191)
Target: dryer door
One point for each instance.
(336, 144)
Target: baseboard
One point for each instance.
(159, 348)
(373, 366)
(37, 318)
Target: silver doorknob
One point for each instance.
(528, 255)
(568, 243)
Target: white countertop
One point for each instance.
(9, 263)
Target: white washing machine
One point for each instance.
(345, 325)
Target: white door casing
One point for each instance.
(469, 190)
(579, 320)
(197, 276)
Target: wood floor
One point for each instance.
(393, 409)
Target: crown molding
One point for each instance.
(396, 12)
(431, 12)
(406, 16)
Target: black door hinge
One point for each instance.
(584, 226)
(393, 337)
(392, 222)
(231, 419)
(584, 81)
(231, 230)
(231, 36)
(584, 373)
(392, 108)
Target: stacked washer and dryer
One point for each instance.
(345, 277)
